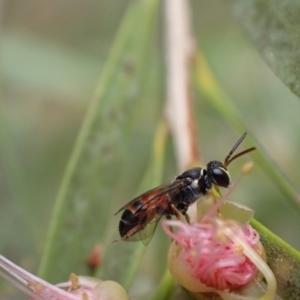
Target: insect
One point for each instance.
(142, 214)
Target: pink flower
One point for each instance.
(77, 288)
(212, 256)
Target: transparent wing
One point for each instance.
(144, 222)
(145, 233)
(156, 193)
(142, 214)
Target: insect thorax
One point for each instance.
(199, 186)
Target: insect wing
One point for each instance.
(144, 212)
(155, 193)
(147, 233)
(144, 231)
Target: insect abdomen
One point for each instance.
(127, 222)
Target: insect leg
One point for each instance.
(175, 211)
(187, 217)
(170, 227)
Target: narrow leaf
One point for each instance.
(274, 27)
(284, 261)
(80, 216)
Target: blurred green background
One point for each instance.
(52, 54)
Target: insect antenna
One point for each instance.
(229, 159)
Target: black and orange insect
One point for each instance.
(142, 214)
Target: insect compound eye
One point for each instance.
(220, 177)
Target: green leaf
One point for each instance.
(83, 208)
(274, 27)
(283, 260)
